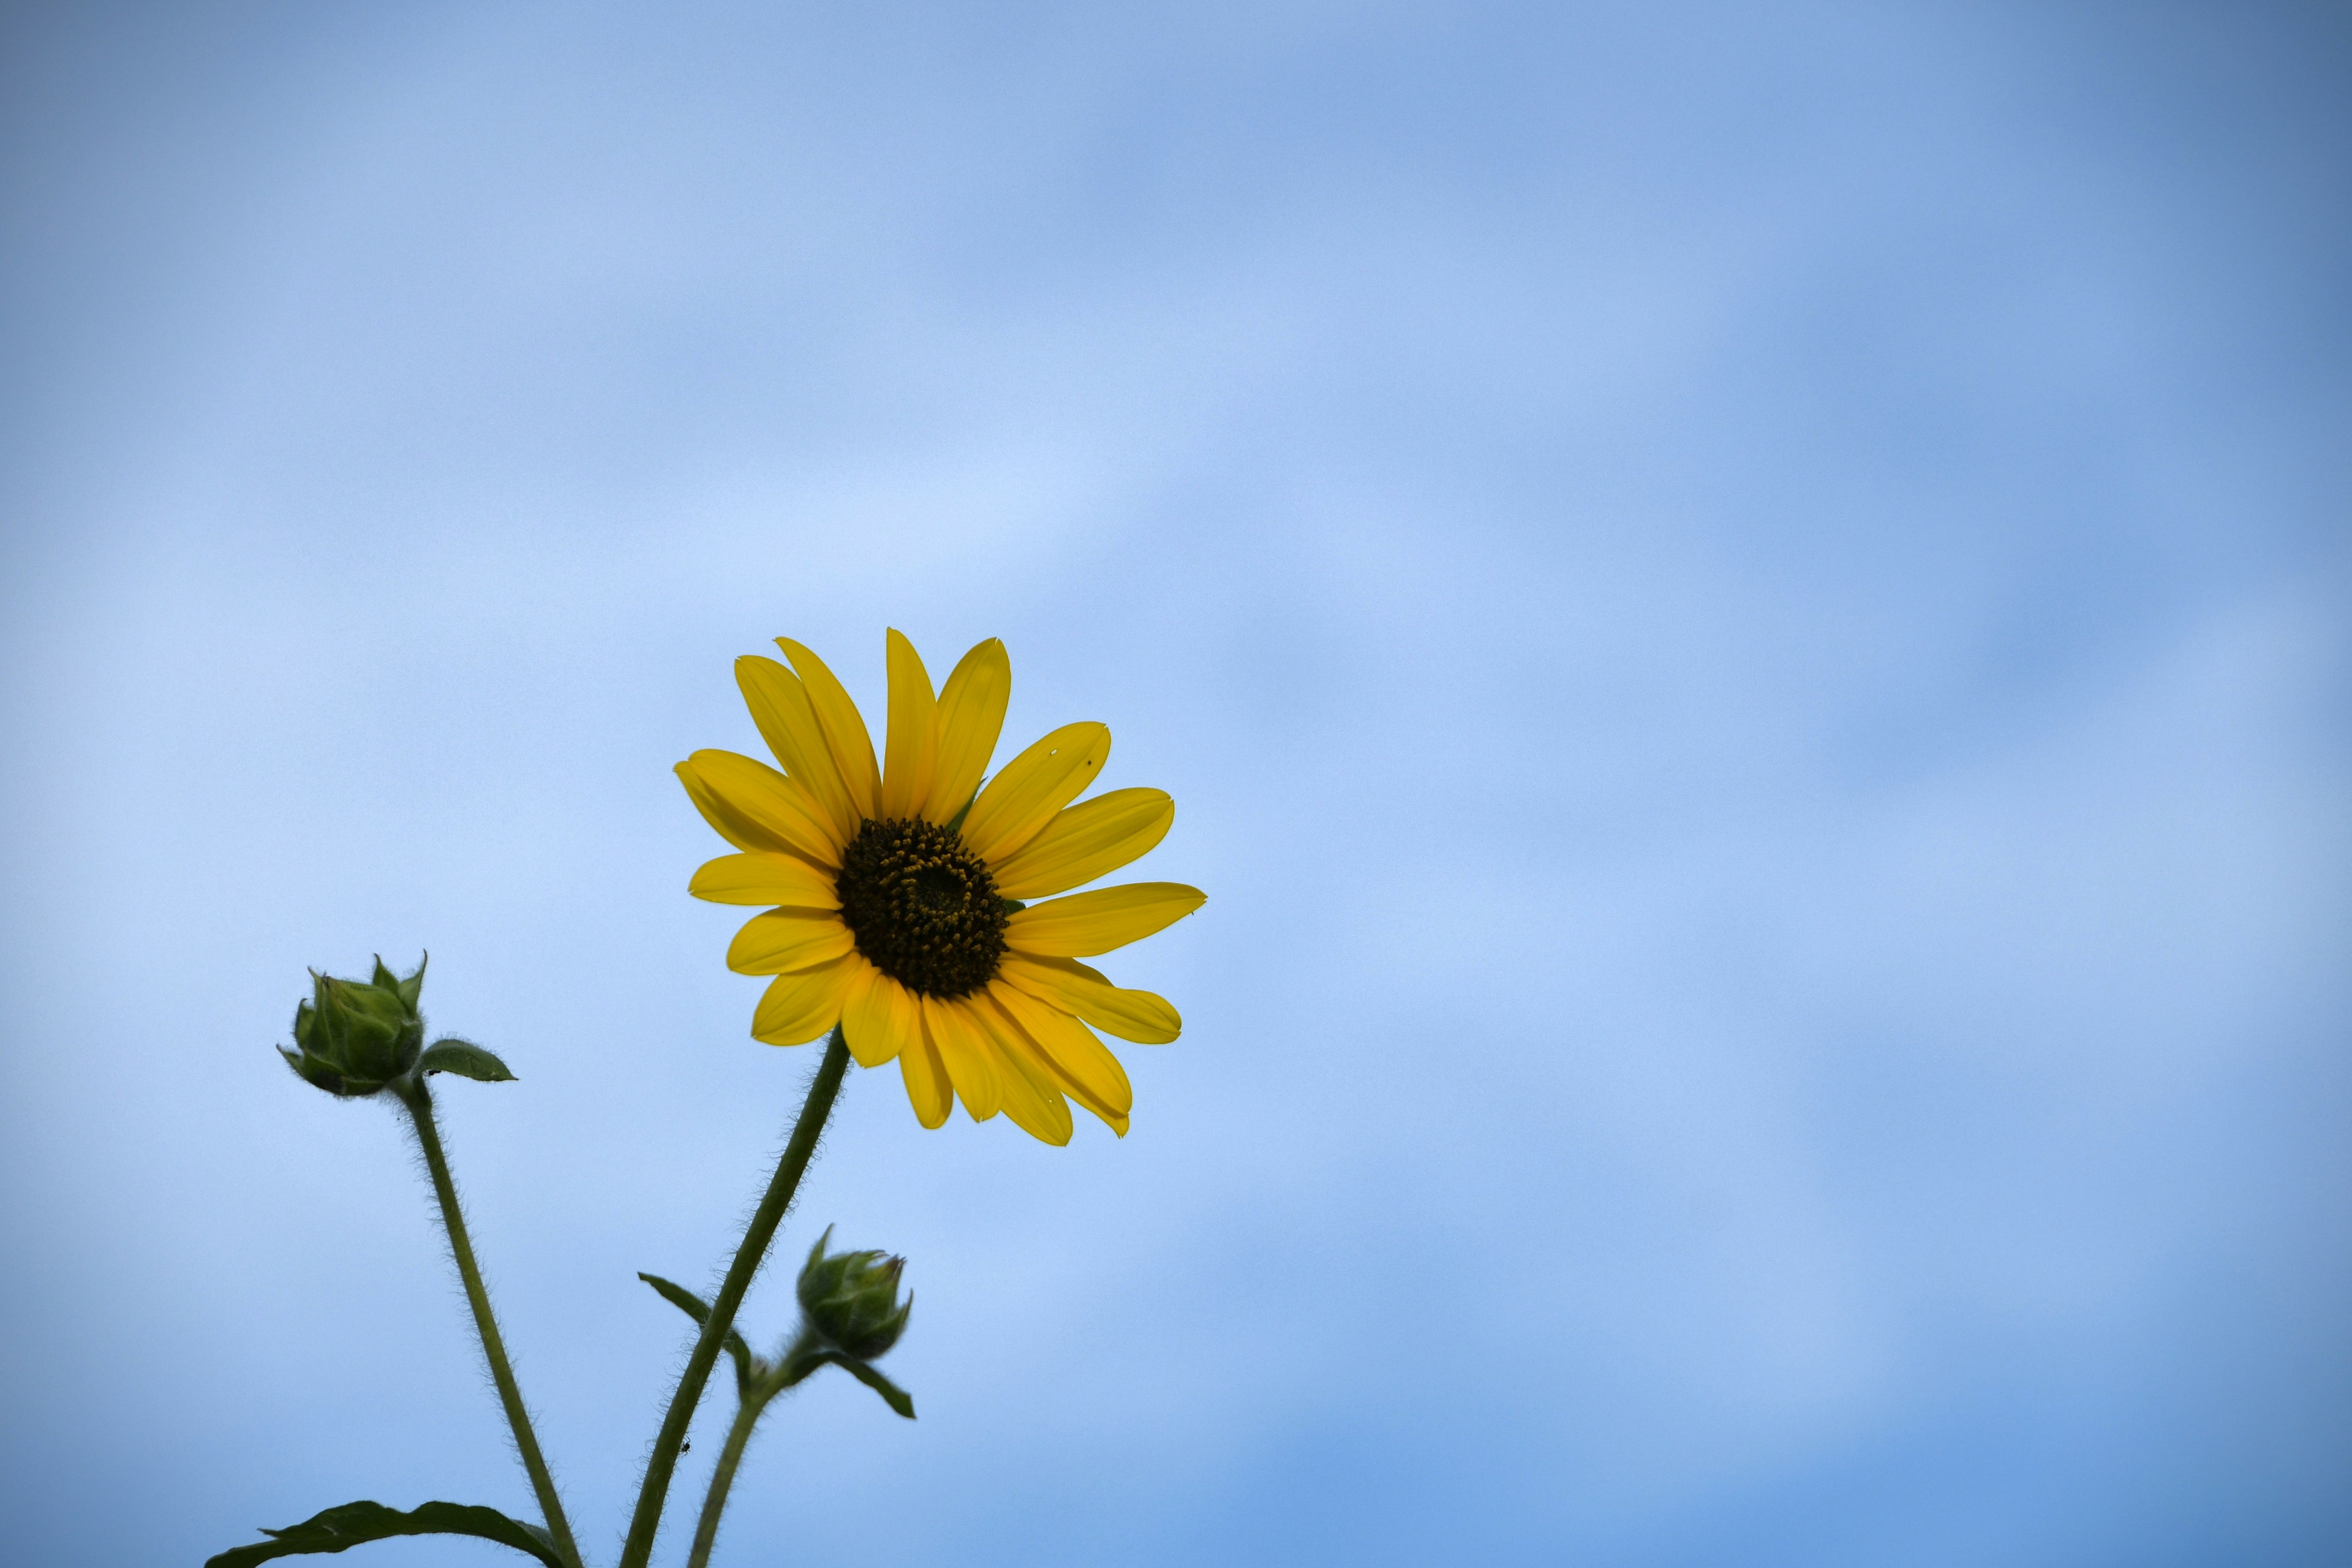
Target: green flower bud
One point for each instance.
(352, 1038)
(852, 1300)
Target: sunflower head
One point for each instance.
(851, 1300)
(901, 893)
(353, 1037)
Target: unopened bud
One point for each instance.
(352, 1038)
(852, 1299)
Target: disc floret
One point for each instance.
(922, 907)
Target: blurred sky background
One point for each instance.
(1744, 605)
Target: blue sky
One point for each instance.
(1743, 608)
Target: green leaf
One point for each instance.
(695, 1307)
(354, 1523)
(892, 1394)
(464, 1058)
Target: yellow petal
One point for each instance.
(971, 715)
(1022, 798)
(965, 1054)
(1083, 1064)
(880, 1018)
(756, 795)
(799, 1007)
(845, 729)
(1032, 1100)
(780, 707)
(910, 748)
(728, 822)
(784, 941)
(1088, 840)
(927, 1089)
(1138, 1015)
(1088, 923)
(763, 877)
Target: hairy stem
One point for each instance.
(788, 1370)
(705, 1530)
(419, 1101)
(638, 1550)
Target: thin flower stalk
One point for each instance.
(418, 1101)
(790, 1369)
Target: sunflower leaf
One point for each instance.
(695, 1307)
(355, 1523)
(895, 1397)
(465, 1060)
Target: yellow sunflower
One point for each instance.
(897, 893)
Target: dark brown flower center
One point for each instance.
(923, 909)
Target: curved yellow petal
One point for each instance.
(778, 804)
(1065, 983)
(910, 747)
(764, 876)
(1088, 923)
(845, 728)
(726, 823)
(880, 1018)
(782, 941)
(780, 707)
(1090, 839)
(1083, 1064)
(758, 796)
(799, 1007)
(1023, 797)
(1032, 1101)
(927, 1089)
(971, 715)
(965, 1055)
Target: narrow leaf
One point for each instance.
(465, 1060)
(892, 1394)
(355, 1523)
(695, 1307)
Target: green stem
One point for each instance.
(638, 1550)
(789, 1370)
(419, 1101)
(706, 1532)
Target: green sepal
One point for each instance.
(317, 1075)
(412, 988)
(465, 1060)
(355, 1523)
(746, 1365)
(1012, 906)
(955, 823)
